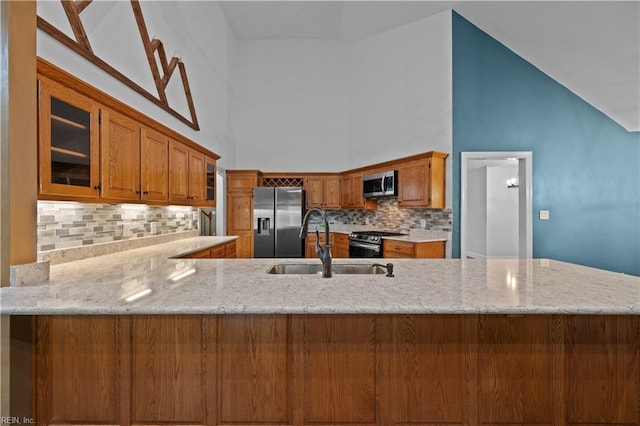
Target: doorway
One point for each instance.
(496, 205)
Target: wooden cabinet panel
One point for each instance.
(424, 374)
(187, 175)
(340, 245)
(240, 212)
(120, 157)
(515, 370)
(154, 167)
(397, 249)
(78, 370)
(244, 245)
(404, 249)
(412, 183)
(197, 178)
(254, 376)
(68, 143)
(339, 369)
(322, 191)
(352, 189)
(231, 250)
(178, 172)
(602, 374)
(332, 192)
(314, 187)
(211, 179)
(421, 183)
(168, 369)
(218, 252)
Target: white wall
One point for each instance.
(400, 94)
(476, 225)
(502, 212)
(196, 31)
(291, 105)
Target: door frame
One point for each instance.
(525, 172)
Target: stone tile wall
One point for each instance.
(389, 216)
(66, 224)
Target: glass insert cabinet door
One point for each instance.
(69, 142)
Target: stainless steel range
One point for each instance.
(368, 243)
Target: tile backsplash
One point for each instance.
(63, 225)
(389, 216)
(68, 224)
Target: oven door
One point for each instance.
(362, 250)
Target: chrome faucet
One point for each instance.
(323, 253)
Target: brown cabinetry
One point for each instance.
(187, 175)
(421, 182)
(405, 249)
(322, 191)
(240, 184)
(154, 166)
(68, 143)
(93, 148)
(351, 192)
(120, 157)
(338, 369)
(339, 245)
(221, 251)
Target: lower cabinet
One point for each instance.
(339, 245)
(338, 369)
(404, 249)
(226, 250)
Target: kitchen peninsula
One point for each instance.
(145, 337)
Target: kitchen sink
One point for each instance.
(316, 268)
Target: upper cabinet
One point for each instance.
(154, 166)
(421, 182)
(93, 148)
(351, 192)
(323, 191)
(69, 141)
(120, 157)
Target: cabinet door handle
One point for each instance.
(145, 192)
(97, 187)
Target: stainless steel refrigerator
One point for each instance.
(277, 217)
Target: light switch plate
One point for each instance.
(544, 214)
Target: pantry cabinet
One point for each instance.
(240, 184)
(68, 143)
(322, 191)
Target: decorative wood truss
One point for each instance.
(161, 76)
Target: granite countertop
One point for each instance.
(148, 281)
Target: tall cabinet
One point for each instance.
(240, 184)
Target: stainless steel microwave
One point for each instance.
(380, 184)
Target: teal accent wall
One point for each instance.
(586, 167)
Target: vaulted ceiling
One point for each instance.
(591, 47)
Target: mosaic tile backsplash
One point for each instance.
(389, 216)
(65, 225)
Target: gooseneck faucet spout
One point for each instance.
(323, 253)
